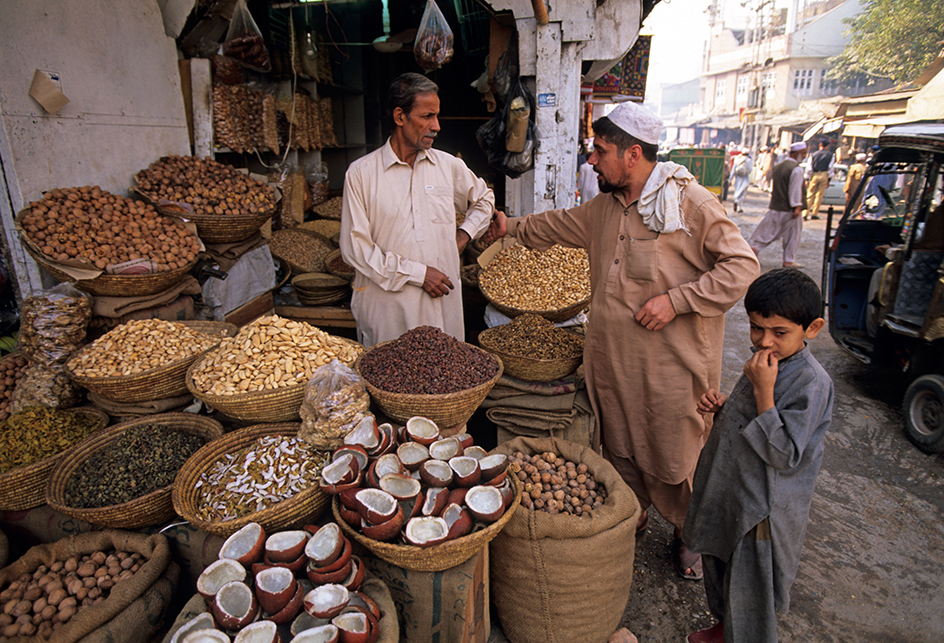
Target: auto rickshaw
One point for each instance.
(706, 164)
(883, 278)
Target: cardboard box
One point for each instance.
(451, 606)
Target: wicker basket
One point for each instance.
(314, 263)
(344, 273)
(327, 228)
(447, 410)
(275, 405)
(529, 368)
(330, 209)
(169, 380)
(151, 509)
(299, 510)
(25, 487)
(558, 315)
(430, 559)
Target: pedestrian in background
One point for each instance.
(854, 178)
(587, 184)
(741, 171)
(762, 168)
(820, 175)
(787, 201)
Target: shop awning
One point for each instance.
(928, 103)
(872, 127)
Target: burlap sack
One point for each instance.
(562, 578)
(93, 624)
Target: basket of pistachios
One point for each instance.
(122, 476)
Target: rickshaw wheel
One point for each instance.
(923, 409)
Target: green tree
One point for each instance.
(891, 39)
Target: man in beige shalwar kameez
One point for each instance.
(665, 265)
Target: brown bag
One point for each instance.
(93, 624)
(561, 578)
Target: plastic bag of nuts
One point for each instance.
(53, 324)
(433, 47)
(335, 401)
(244, 40)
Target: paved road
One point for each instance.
(872, 563)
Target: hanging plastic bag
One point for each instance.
(433, 46)
(335, 402)
(244, 40)
(511, 153)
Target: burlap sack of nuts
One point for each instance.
(563, 578)
(135, 606)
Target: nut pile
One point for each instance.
(138, 346)
(102, 229)
(271, 469)
(244, 118)
(330, 209)
(538, 281)
(141, 460)
(41, 602)
(53, 326)
(11, 370)
(301, 249)
(426, 360)
(556, 485)
(208, 186)
(270, 353)
(533, 336)
(31, 435)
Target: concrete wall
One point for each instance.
(119, 71)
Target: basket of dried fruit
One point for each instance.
(265, 383)
(303, 250)
(335, 264)
(32, 443)
(554, 284)
(426, 372)
(12, 367)
(144, 360)
(532, 348)
(261, 474)
(88, 229)
(122, 476)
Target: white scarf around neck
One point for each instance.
(659, 202)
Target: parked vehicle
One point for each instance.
(707, 164)
(883, 278)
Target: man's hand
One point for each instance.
(761, 371)
(497, 229)
(711, 402)
(436, 284)
(656, 313)
(797, 211)
(462, 240)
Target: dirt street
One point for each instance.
(871, 564)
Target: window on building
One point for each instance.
(721, 87)
(803, 81)
(769, 81)
(827, 87)
(742, 87)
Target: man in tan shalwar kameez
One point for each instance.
(665, 265)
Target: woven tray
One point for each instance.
(25, 487)
(430, 559)
(276, 405)
(447, 410)
(169, 380)
(151, 509)
(529, 368)
(299, 510)
(558, 315)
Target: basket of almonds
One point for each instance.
(144, 360)
(260, 374)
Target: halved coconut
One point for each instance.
(445, 448)
(436, 500)
(436, 473)
(383, 444)
(388, 440)
(293, 607)
(326, 601)
(401, 486)
(325, 545)
(343, 558)
(275, 587)
(286, 546)
(475, 451)
(347, 500)
(321, 576)
(259, 632)
(412, 506)
(327, 633)
(387, 463)
(466, 470)
(422, 430)
(356, 577)
(507, 489)
(217, 574)
(292, 565)
(354, 627)
(365, 433)
(493, 466)
(458, 519)
(376, 505)
(246, 545)
(206, 636)
(234, 606)
(412, 455)
(387, 530)
(362, 600)
(356, 450)
(334, 489)
(350, 516)
(465, 440)
(340, 471)
(426, 531)
(485, 503)
(305, 621)
(204, 621)
(457, 496)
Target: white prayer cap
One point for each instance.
(637, 121)
(860, 156)
(798, 147)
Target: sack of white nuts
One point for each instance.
(570, 553)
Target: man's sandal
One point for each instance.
(686, 562)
